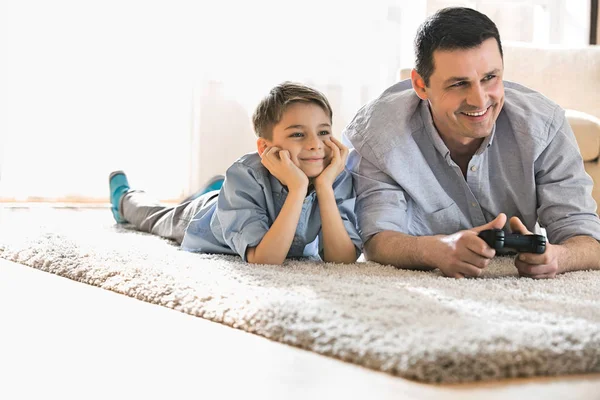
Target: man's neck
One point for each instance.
(462, 151)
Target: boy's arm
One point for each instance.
(275, 245)
(337, 245)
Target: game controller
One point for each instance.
(498, 239)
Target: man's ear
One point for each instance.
(261, 145)
(418, 84)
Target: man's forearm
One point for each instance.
(398, 249)
(581, 253)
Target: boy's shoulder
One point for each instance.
(251, 162)
(249, 165)
(248, 178)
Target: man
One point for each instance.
(454, 151)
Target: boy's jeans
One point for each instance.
(170, 222)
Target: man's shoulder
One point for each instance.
(391, 117)
(530, 111)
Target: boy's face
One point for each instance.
(301, 131)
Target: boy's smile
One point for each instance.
(302, 130)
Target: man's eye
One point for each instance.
(489, 77)
(459, 84)
(324, 133)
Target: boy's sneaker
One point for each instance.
(118, 184)
(213, 183)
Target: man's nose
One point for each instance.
(477, 97)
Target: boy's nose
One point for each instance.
(314, 142)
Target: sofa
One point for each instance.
(570, 77)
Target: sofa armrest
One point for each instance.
(587, 132)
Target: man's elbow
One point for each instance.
(371, 246)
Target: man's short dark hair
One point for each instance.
(450, 29)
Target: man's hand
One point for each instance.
(280, 165)
(536, 266)
(464, 253)
(339, 154)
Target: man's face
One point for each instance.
(301, 131)
(465, 91)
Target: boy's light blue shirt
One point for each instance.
(247, 205)
(530, 167)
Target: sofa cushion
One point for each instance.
(570, 76)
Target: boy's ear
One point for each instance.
(261, 145)
(418, 84)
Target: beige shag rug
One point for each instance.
(418, 325)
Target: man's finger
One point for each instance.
(533, 259)
(497, 223)
(544, 276)
(467, 270)
(531, 269)
(481, 248)
(517, 226)
(471, 270)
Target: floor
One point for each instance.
(64, 339)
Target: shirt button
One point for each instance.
(473, 168)
(474, 204)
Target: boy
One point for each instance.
(292, 198)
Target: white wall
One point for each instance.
(164, 89)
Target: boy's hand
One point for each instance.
(280, 165)
(339, 154)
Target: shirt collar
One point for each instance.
(436, 139)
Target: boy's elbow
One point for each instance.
(265, 261)
(349, 258)
(253, 258)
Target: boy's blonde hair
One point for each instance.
(269, 111)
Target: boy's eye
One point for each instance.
(324, 133)
(297, 134)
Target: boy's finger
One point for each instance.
(265, 152)
(335, 149)
(269, 151)
(339, 144)
(284, 155)
(344, 152)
